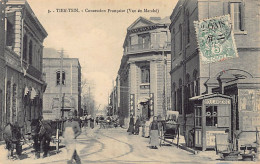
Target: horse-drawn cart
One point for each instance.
(170, 127)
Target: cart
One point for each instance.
(170, 128)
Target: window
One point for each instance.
(9, 34)
(223, 116)
(173, 97)
(58, 78)
(211, 115)
(237, 14)
(180, 33)
(195, 84)
(134, 40)
(25, 47)
(30, 52)
(188, 26)
(198, 114)
(145, 75)
(38, 59)
(187, 94)
(179, 92)
(143, 41)
(8, 102)
(14, 103)
(173, 43)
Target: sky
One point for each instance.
(96, 38)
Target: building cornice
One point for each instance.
(248, 49)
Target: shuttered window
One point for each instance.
(236, 10)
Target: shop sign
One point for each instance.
(151, 104)
(132, 104)
(215, 39)
(217, 101)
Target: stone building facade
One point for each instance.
(191, 77)
(22, 89)
(143, 77)
(71, 90)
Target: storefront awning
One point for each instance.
(143, 100)
(206, 96)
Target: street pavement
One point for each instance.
(114, 145)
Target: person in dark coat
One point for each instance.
(131, 125)
(154, 133)
(45, 136)
(137, 125)
(92, 123)
(97, 120)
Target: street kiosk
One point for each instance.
(212, 116)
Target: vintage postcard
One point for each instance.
(126, 82)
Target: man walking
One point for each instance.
(72, 131)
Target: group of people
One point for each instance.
(134, 127)
(153, 133)
(85, 122)
(41, 132)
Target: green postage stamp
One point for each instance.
(215, 39)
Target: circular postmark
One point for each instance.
(212, 34)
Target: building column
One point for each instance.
(153, 83)
(133, 84)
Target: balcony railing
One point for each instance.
(136, 48)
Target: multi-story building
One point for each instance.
(2, 63)
(236, 77)
(144, 79)
(63, 92)
(22, 89)
(113, 102)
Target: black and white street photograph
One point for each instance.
(129, 82)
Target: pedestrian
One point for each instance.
(154, 133)
(72, 131)
(86, 122)
(131, 125)
(45, 136)
(97, 120)
(92, 123)
(137, 125)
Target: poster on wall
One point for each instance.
(247, 99)
(215, 39)
(249, 109)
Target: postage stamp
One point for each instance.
(215, 39)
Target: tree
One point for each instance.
(87, 99)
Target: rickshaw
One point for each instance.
(170, 127)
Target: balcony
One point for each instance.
(146, 47)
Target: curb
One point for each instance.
(183, 147)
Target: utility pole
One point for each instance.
(113, 103)
(89, 105)
(165, 84)
(61, 102)
(60, 112)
